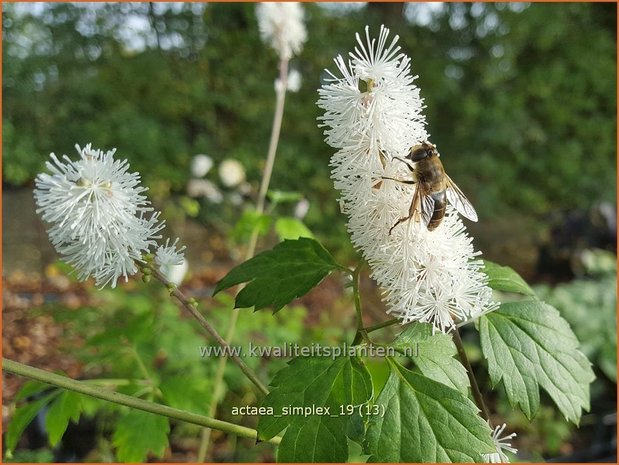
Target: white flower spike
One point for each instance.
(168, 255)
(372, 116)
(96, 213)
(501, 445)
(281, 26)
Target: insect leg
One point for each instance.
(410, 167)
(411, 211)
(403, 181)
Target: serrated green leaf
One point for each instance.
(67, 406)
(187, 393)
(276, 277)
(529, 345)
(314, 382)
(504, 278)
(434, 355)
(137, 433)
(425, 421)
(22, 418)
(291, 228)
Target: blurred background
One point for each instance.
(521, 101)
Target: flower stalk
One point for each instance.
(87, 388)
(479, 399)
(189, 305)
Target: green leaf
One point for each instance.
(284, 196)
(434, 355)
(249, 222)
(137, 433)
(503, 278)
(313, 382)
(425, 421)
(185, 392)
(30, 388)
(529, 345)
(66, 407)
(22, 418)
(278, 276)
(291, 228)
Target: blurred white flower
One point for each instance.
(231, 172)
(301, 209)
(501, 444)
(200, 165)
(175, 273)
(293, 84)
(204, 188)
(281, 26)
(373, 113)
(95, 209)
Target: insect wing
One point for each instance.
(424, 205)
(459, 201)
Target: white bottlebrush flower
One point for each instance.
(231, 172)
(282, 27)
(200, 165)
(96, 212)
(501, 445)
(373, 114)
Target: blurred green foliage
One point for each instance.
(151, 351)
(589, 303)
(520, 98)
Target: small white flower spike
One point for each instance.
(167, 254)
(372, 116)
(281, 26)
(501, 445)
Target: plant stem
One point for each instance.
(382, 325)
(361, 332)
(270, 162)
(186, 303)
(86, 388)
(479, 400)
(253, 241)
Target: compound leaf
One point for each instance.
(528, 345)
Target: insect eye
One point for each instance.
(419, 154)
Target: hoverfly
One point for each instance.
(434, 189)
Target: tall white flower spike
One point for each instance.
(372, 115)
(281, 26)
(97, 214)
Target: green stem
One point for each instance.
(253, 241)
(479, 399)
(187, 305)
(382, 325)
(81, 387)
(361, 332)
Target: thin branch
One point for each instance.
(88, 389)
(479, 399)
(382, 325)
(361, 332)
(187, 305)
